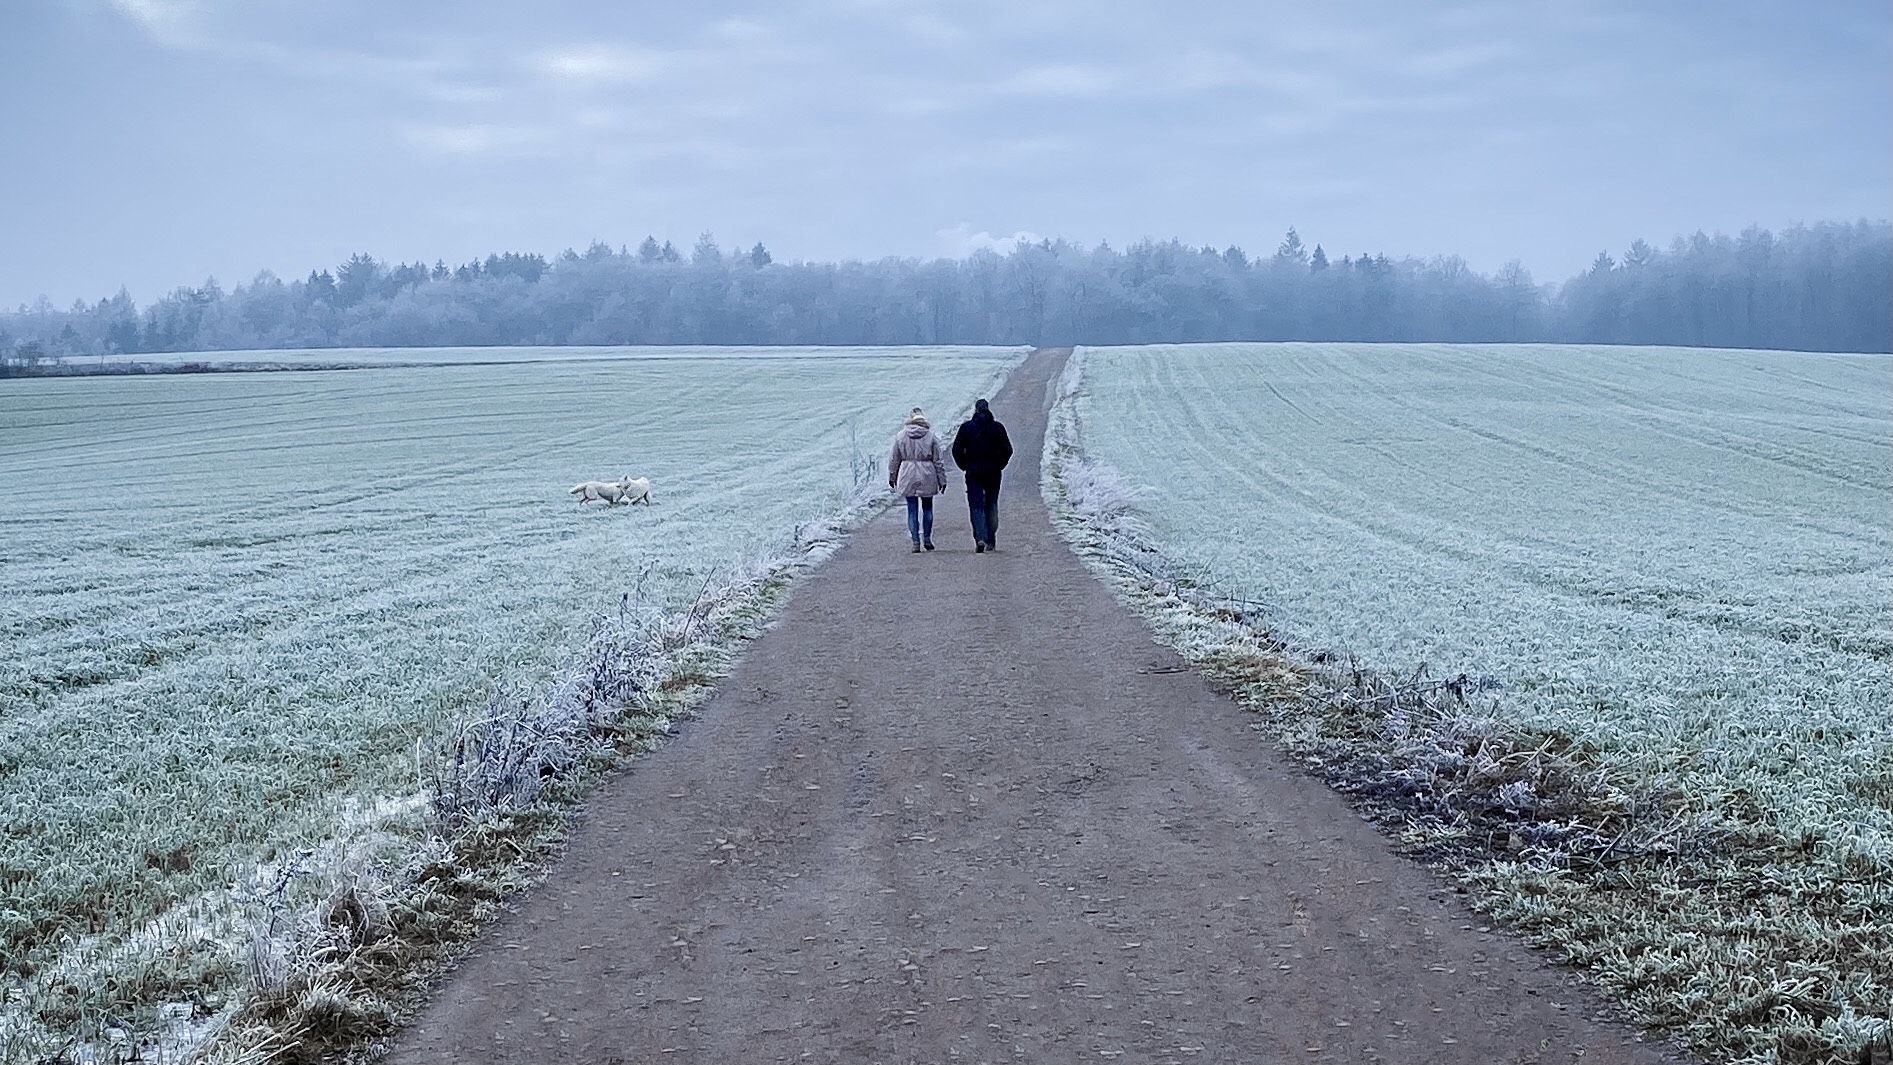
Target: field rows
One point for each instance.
(1678, 561)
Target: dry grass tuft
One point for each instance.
(341, 975)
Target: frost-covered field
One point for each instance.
(234, 604)
(1679, 560)
(314, 358)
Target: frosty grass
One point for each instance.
(241, 611)
(1679, 560)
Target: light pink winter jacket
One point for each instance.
(914, 466)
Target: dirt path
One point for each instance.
(961, 807)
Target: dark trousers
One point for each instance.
(982, 500)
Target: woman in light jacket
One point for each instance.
(915, 469)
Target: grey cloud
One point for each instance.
(599, 63)
(836, 127)
(1061, 79)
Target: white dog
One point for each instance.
(625, 489)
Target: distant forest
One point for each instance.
(1827, 287)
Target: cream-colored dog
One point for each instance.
(623, 490)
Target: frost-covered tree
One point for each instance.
(1291, 249)
(355, 278)
(1827, 287)
(1515, 285)
(321, 287)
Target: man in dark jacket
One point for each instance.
(982, 449)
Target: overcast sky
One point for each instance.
(152, 143)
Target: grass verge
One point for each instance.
(334, 973)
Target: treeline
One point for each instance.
(1827, 287)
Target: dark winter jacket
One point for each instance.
(981, 448)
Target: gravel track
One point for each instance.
(961, 807)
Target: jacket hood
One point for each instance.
(982, 415)
(916, 430)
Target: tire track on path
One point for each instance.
(961, 807)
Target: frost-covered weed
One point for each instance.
(341, 971)
(1651, 585)
(306, 574)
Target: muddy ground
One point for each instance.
(962, 807)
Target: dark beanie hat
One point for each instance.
(979, 404)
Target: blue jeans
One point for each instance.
(920, 517)
(983, 501)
